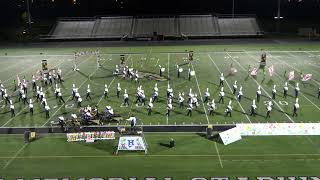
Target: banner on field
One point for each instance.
(278, 129)
(229, 136)
(90, 136)
(132, 143)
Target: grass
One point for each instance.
(51, 156)
(210, 61)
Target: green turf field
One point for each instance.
(194, 156)
(209, 62)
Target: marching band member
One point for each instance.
(240, 93)
(155, 93)
(31, 107)
(228, 109)
(285, 90)
(258, 94)
(60, 98)
(189, 109)
(221, 80)
(34, 83)
(118, 90)
(47, 108)
(79, 100)
(74, 89)
(253, 108)
(235, 87)
(296, 91)
(212, 107)
(269, 108)
(13, 114)
(106, 91)
(169, 108)
(221, 94)
(296, 107)
(125, 98)
(180, 100)
(206, 96)
(88, 92)
(274, 91)
(150, 106)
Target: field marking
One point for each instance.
(203, 105)
(14, 157)
(205, 111)
(262, 89)
(153, 155)
(168, 69)
(33, 100)
(278, 59)
(108, 85)
(71, 96)
(230, 88)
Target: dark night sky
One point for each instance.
(10, 10)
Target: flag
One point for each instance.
(271, 70)
(307, 77)
(291, 75)
(254, 71)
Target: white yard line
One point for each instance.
(14, 157)
(215, 144)
(71, 96)
(262, 88)
(203, 105)
(290, 84)
(168, 69)
(230, 89)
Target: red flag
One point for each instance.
(254, 71)
(307, 77)
(291, 75)
(271, 70)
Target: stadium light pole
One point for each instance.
(278, 16)
(232, 8)
(29, 15)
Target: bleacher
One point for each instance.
(112, 27)
(201, 25)
(182, 26)
(73, 29)
(236, 26)
(145, 27)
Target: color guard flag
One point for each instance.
(254, 71)
(291, 75)
(307, 77)
(271, 70)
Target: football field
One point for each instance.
(51, 156)
(209, 62)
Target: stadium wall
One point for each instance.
(160, 128)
